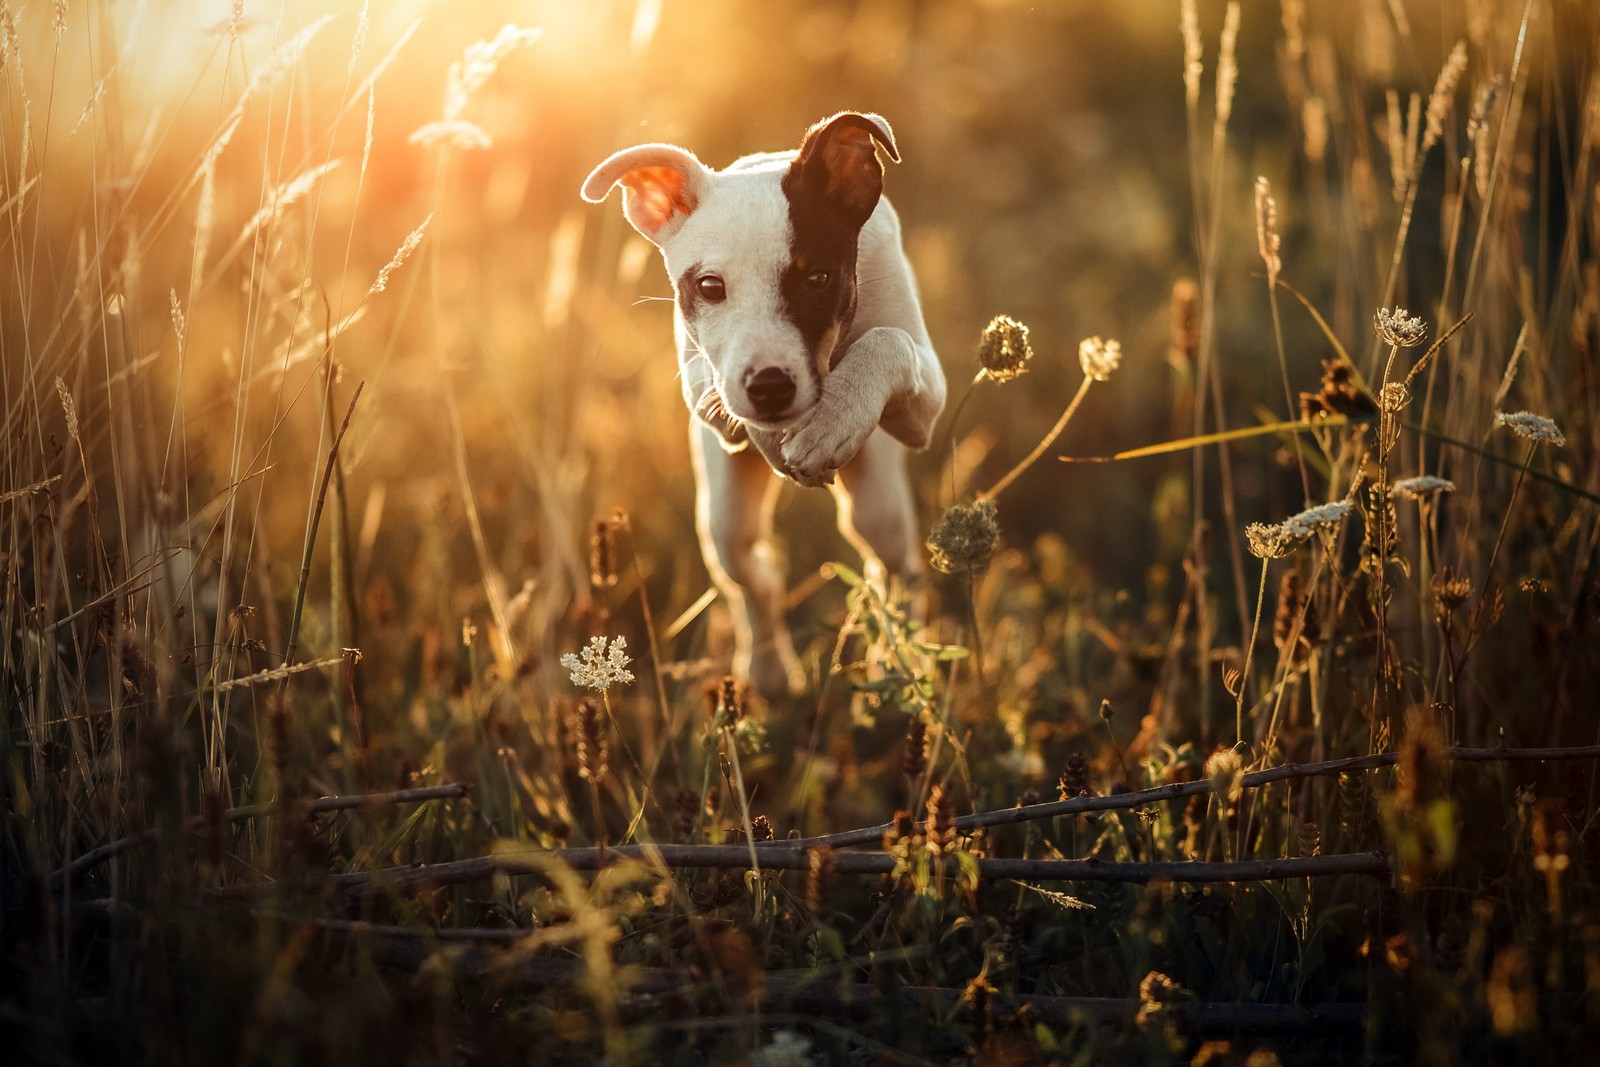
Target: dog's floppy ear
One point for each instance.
(661, 187)
(838, 160)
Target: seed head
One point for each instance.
(964, 539)
(941, 823)
(1267, 239)
(1225, 768)
(1269, 541)
(603, 555)
(1393, 398)
(591, 739)
(1535, 428)
(1074, 781)
(1099, 357)
(1400, 328)
(916, 754)
(821, 862)
(1310, 839)
(1004, 351)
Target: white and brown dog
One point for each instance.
(799, 332)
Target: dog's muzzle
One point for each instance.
(770, 390)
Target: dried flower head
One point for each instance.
(1400, 328)
(964, 539)
(1422, 487)
(1074, 780)
(1393, 397)
(600, 665)
(1099, 357)
(1269, 541)
(1310, 839)
(1225, 768)
(1535, 428)
(1004, 351)
(1449, 591)
(1337, 395)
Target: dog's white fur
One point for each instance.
(855, 418)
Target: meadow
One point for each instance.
(1240, 718)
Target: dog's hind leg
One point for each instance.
(734, 497)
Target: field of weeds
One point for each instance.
(1254, 721)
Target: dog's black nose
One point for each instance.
(771, 390)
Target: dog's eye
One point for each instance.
(818, 279)
(711, 288)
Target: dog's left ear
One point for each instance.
(839, 162)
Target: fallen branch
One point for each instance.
(1180, 790)
(96, 856)
(418, 878)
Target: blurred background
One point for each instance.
(201, 199)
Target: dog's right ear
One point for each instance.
(661, 187)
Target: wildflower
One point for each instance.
(915, 760)
(1099, 358)
(601, 665)
(1535, 428)
(964, 539)
(1421, 487)
(1269, 541)
(1400, 328)
(1310, 520)
(1074, 780)
(1004, 351)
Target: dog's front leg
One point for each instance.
(734, 497)
(879, 379)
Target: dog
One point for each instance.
(801, 350)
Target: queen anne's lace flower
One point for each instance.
(1421, 487)
(1535, 428)
(1400, 328)
(599, 666)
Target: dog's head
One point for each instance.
(762, 257)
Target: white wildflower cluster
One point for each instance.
(1099, 357)
(1535, 428)
(1421, 487)
(601, 665)
(1400, 328)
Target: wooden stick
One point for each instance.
(96, 856)
(1253, 780)
(412, 879)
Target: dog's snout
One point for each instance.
(770, 389)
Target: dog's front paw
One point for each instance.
(824, 443)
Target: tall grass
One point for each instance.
(334, 423)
